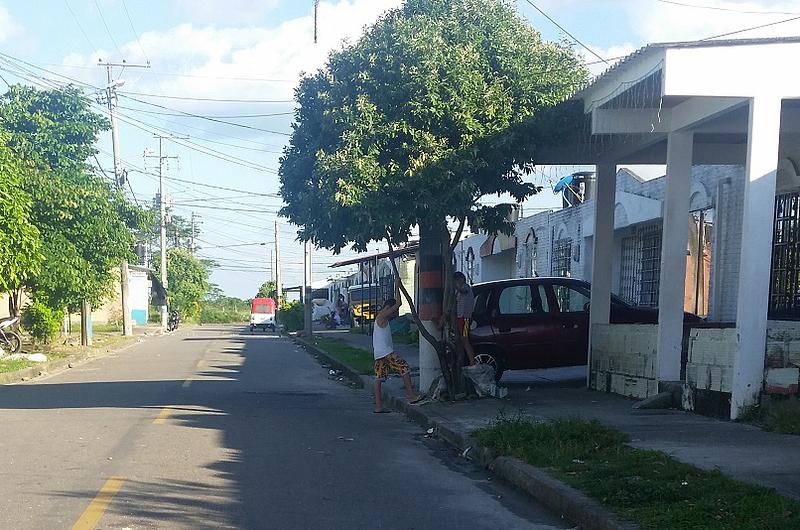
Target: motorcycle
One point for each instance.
(10, 340)
(174, 320)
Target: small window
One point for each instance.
(515, 300)
(571, 299)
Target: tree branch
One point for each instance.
(457, 236)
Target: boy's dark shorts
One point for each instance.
(391, 363)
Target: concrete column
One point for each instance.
(602, 250)
(754, 270)
(673, 255)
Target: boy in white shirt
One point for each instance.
(386, 360)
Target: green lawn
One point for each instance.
(649, 488)
(14, 365)
(361, 361)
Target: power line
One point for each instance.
(728, 34)
(573, 37)
(229, 116)
(135, 33)
(217, 100)
(100, 11)
(728, 9)
(194, 76)
(209, 118)
(80, 27)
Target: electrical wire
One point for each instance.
(229, 116)
(80, 27)
(573, 37)
(111, 36)
(215, 120)
(216, 100)
(135, 33)
(728, 9)
(728, 34)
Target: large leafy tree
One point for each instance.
(187, 281)
(84, 222)
(408, 127)
(268, 289)
(20, 245)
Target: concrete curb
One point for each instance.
(347, 372)
(563, 499)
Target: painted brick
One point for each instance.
(782, 380)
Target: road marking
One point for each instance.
(92, 514)
(187, 383)
(163, 415)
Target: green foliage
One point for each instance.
(220, 309)
(292, 315)
(362, 361)
(650, 488)
(779, 415)
(20, 244)
(85, 224)
(41, 321)
(267, 290)
(407, 126)
(187, 281)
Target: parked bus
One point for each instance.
(262, 314)
(365, 301)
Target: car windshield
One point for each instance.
(365, 294)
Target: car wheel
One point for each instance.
(494, 360)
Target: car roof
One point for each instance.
(536, 279)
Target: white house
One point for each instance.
(690, 104)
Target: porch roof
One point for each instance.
(702, 86)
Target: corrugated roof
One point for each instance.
(650, 48)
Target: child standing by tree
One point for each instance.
(465, 301)
(386, 360)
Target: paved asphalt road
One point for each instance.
(217, 428)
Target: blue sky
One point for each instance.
(255, 50)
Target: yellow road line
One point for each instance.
(163, 415)
(187, 383)
(92, 514)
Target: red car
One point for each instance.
(541, 322)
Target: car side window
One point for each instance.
(570, 299)
(481, 303)
(522, 300)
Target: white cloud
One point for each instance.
(612, 54)
(214, 55)
(232, 11)
(8, 26)
(664, 22)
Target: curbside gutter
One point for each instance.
(559, 497)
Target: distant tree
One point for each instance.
(268, 289)
(187, 281)
(407, 129)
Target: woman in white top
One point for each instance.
(386, 360)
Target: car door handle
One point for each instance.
(570, 325)
(505, 330)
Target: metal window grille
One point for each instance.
(561, 260)
(784, 296)
(650, 268)
(630, 269)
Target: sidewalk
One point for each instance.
(738, 450)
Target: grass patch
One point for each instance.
(362, 361)
(407, 338)
(108, 327)
(777, 415)
(12, 365)
(649, 488)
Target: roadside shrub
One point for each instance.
(42, 322)
(291, 316)
(215, 314)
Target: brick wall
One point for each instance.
(624, 359)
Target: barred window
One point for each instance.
(784, 295)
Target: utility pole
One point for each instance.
(308, 289)
(278, 286)
(191, 236)
(163, 221)
(119, 180)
